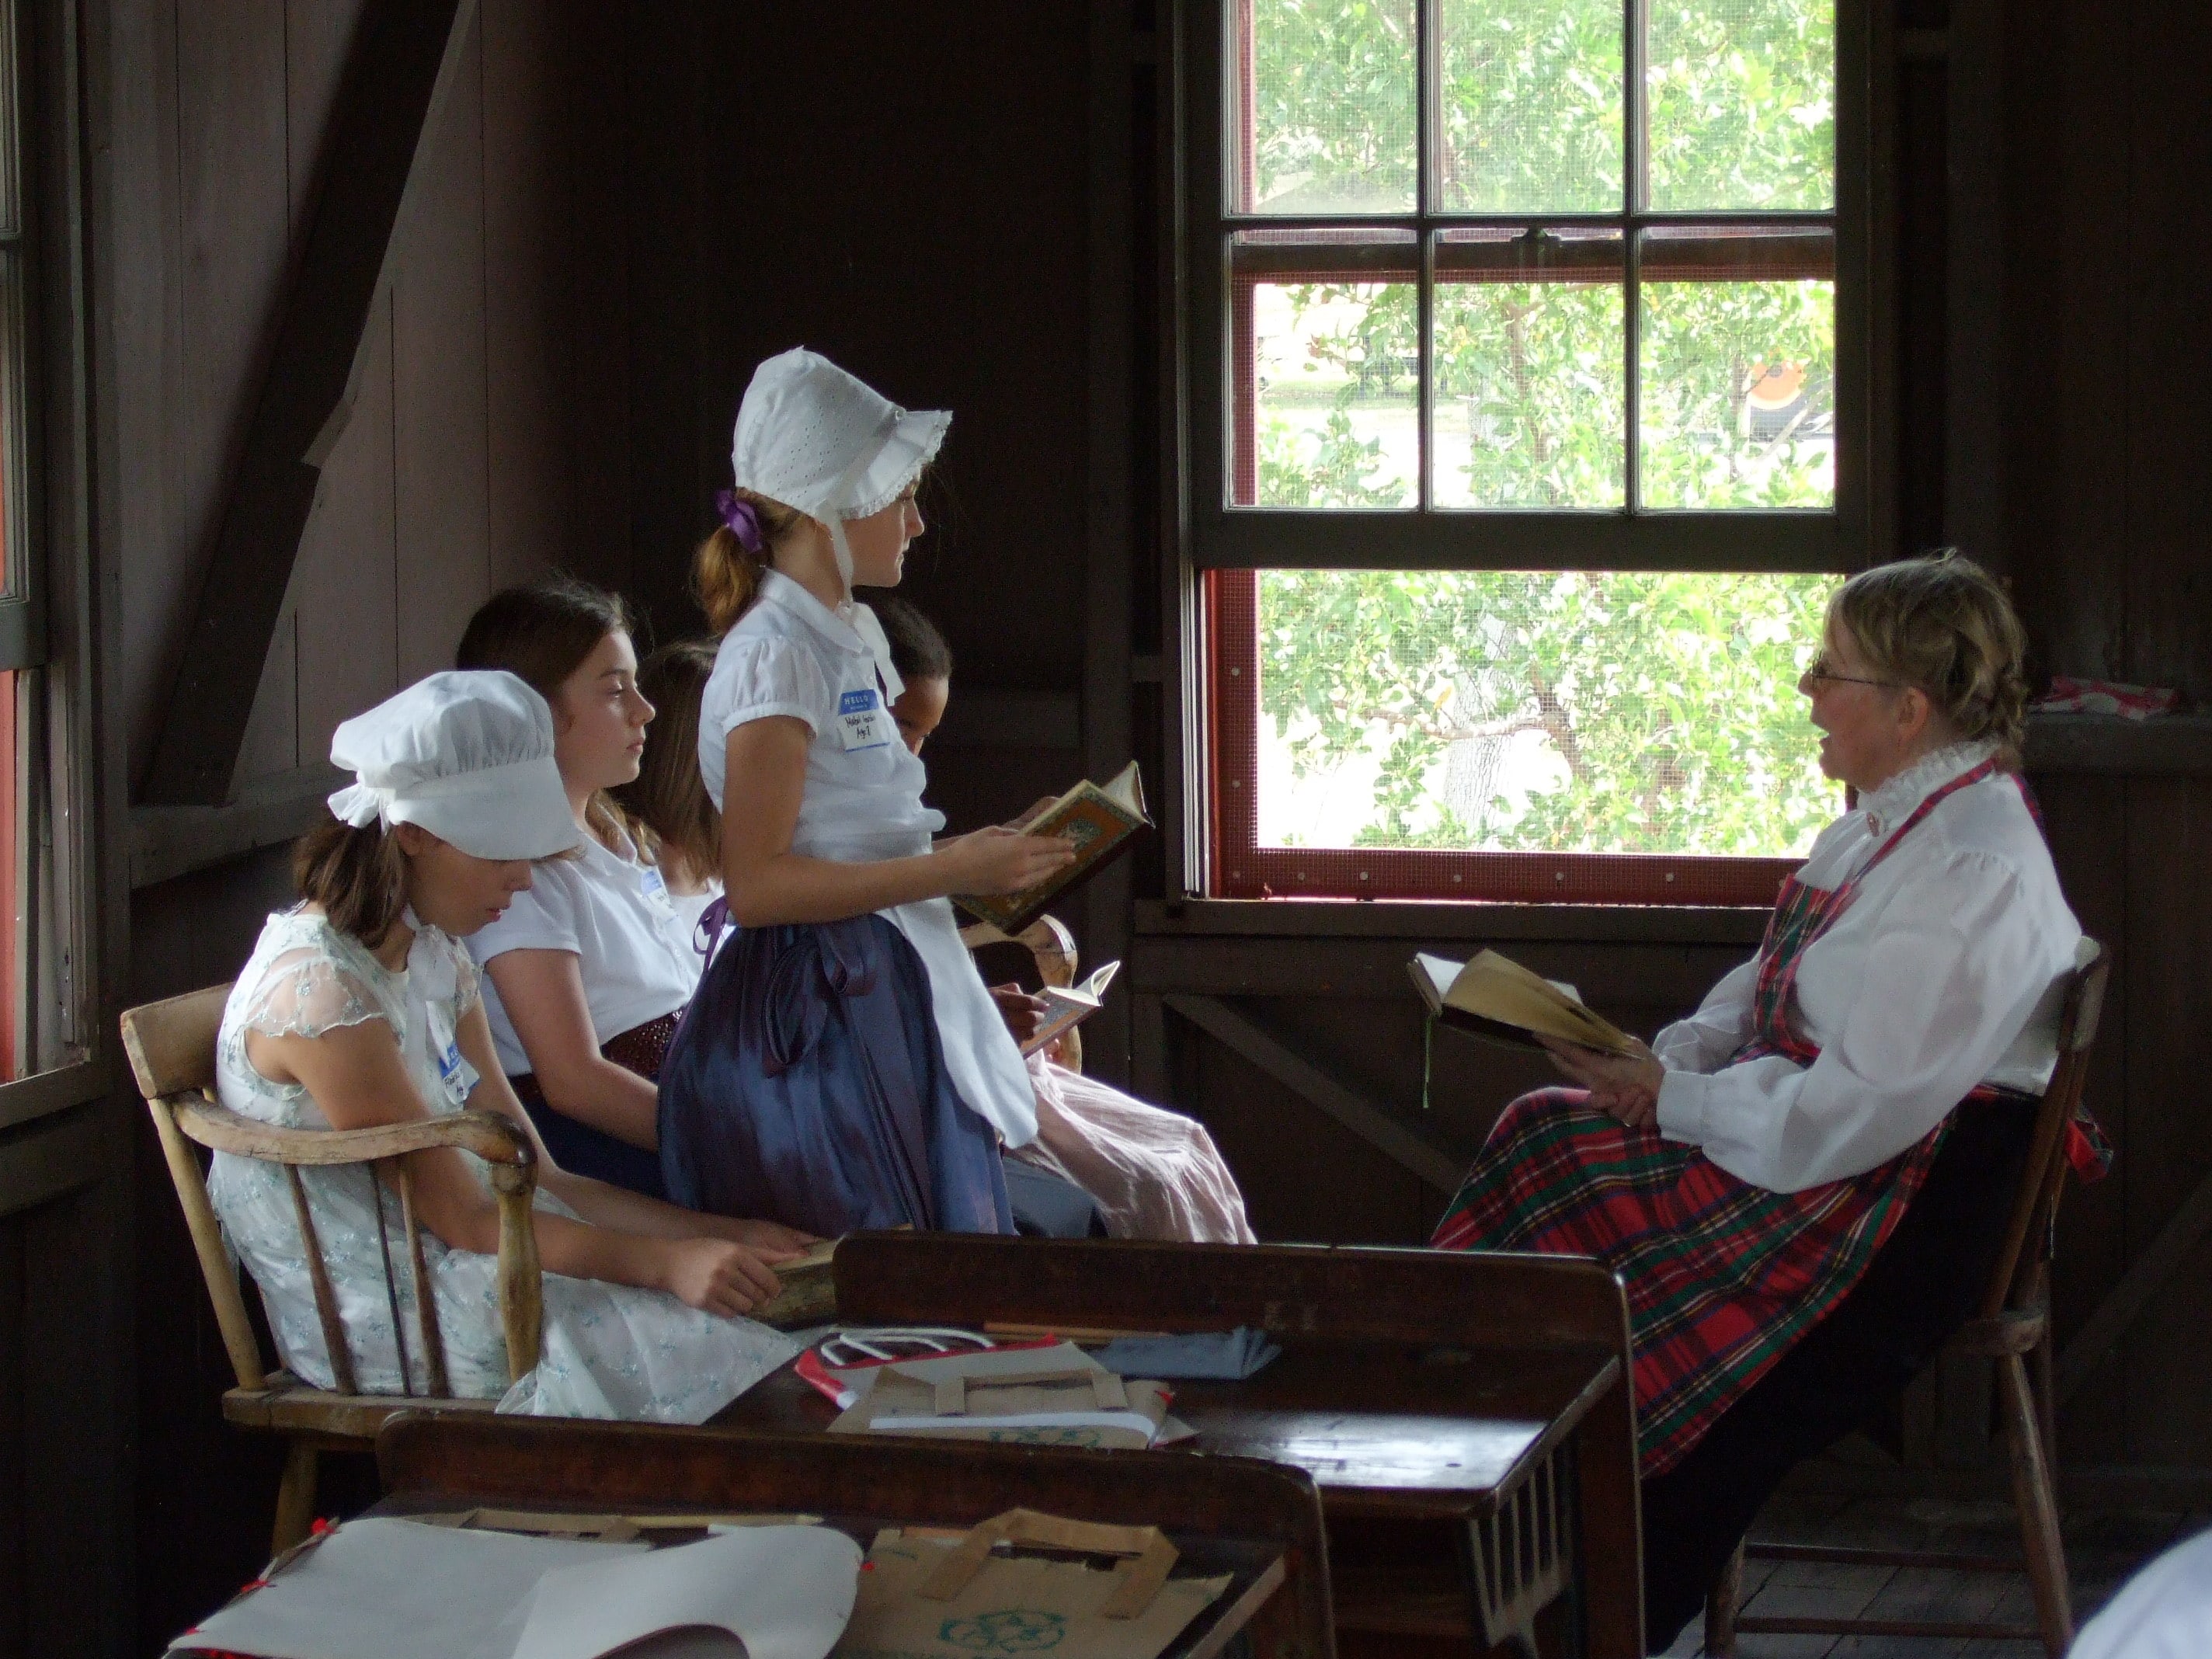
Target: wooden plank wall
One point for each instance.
(453, 476)
(2109, 424)
(484, 446)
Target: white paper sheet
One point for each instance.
(376, 1589)
(784, 1592)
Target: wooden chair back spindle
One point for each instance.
(172, 1048)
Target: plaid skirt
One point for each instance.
(1722, 1277)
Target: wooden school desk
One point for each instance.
(1258, 1522)
(1467, 1416)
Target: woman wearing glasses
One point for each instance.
(1802, 1184)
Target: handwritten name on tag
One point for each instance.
(862, 722)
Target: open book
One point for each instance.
(1066, 1008)
(1495, 997)
(1099, 818)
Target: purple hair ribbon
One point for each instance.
(744, 521)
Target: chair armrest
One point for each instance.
(489, 1136)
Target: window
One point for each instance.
(46, 995)
(1529, 398)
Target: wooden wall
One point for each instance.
(484, 447)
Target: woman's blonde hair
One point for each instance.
(1943, 625)
(670, 797)
(726, 573)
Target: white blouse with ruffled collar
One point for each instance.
(1946, 969)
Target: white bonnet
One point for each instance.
(813, 437)
(468, 755)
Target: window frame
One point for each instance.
(45, 623)
(1224, 545)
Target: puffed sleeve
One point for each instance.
(1952, 975)
(1704, 1042)
(759, 678)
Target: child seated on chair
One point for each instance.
(592, 964)
(1154, 1173)
(359, 1008)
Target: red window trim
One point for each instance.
(1239, 867)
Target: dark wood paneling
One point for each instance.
(2087, 820)
(1306, 1179)
(2067, 106)
(442, 508)
(16, 1360)
(2169, 1116)
(346, 583)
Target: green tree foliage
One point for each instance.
(1670, 698)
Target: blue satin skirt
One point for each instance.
(805, 1085)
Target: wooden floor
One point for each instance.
(2102, 1550)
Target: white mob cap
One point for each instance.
(468, 755)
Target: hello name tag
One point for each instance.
(862, 722)
(455, 1075)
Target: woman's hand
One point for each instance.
(997, 860)
(1626, 1085)
(1037, 810)
(1023, 1013)
(715, 1275)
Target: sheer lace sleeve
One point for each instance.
(306, 992)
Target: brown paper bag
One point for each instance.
(1012, 1607)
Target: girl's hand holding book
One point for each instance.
(997, 860)
(716, 1276)
(771, 1240)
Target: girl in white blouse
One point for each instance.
(841, 1065)
(1802, 1185)
(358, 1007)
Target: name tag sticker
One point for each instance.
(456, 1073)
(652, 885)
(861, 720)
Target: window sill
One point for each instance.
(1450, 919)
(2164, 745)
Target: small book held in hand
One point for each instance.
(1099, 818)
(1495, 997)
(1068, 1006)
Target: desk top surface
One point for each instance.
(1381, 1428)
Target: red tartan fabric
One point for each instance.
(1722, 1277)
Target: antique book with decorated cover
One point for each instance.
(1496, 997)
(1066, 1007)
(1099, 818)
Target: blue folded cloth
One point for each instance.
(1228, 1356)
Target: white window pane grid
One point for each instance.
(1694, 378)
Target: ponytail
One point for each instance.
(726, 571)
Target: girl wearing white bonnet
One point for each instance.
(841, 1065)
(358, 1007)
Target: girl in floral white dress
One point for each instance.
(358, 1007)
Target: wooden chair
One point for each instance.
(171, 1048)
(1052, 948)
(2013, 1329)
(530, 1463)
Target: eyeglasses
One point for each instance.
(1818, 669)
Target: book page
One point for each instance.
(1492, 987)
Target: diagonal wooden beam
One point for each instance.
(402, 58)
(2128, 1299)
(1380, 1129)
